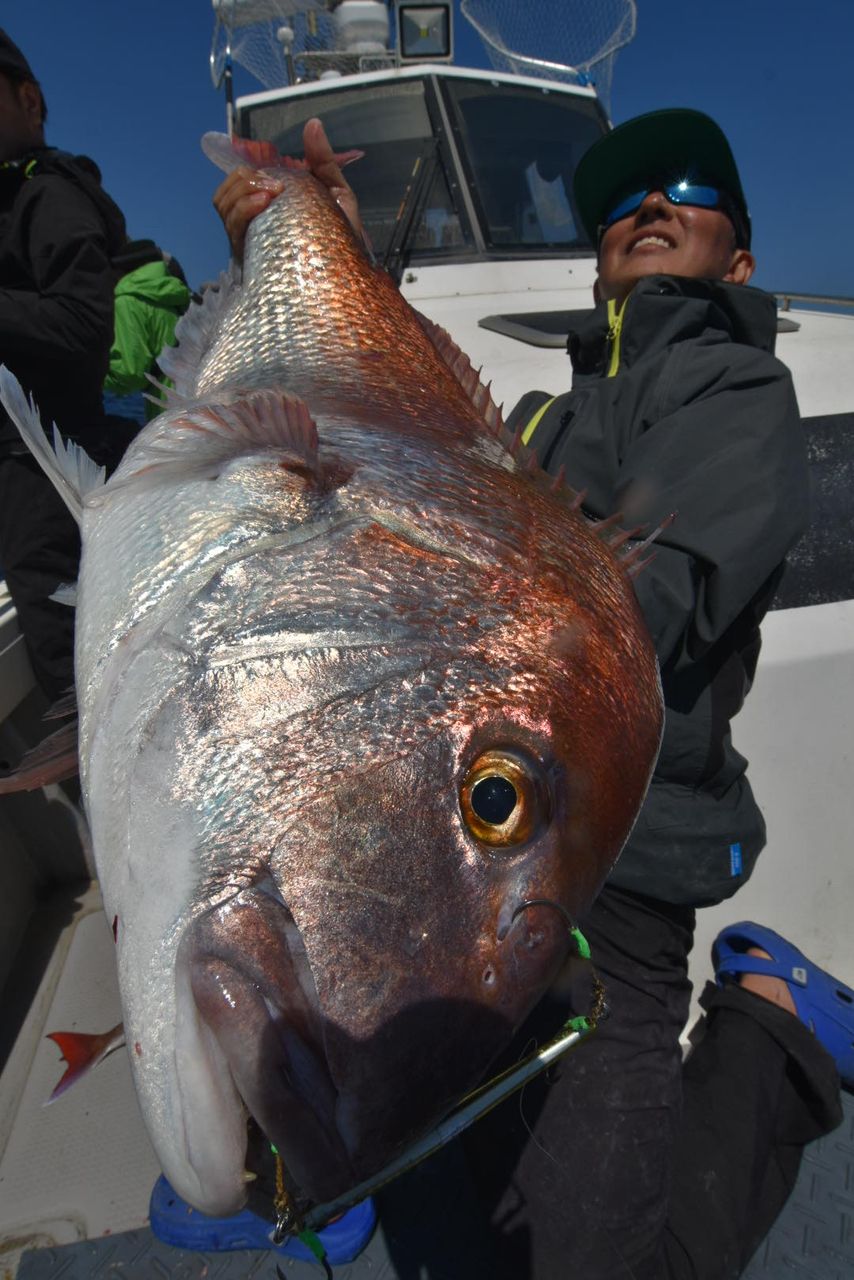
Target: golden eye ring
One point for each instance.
(503, 800)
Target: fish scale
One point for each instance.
(310, 328)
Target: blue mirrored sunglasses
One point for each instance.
(675, 192)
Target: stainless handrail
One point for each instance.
(787, 298)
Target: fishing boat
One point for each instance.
(466, 193)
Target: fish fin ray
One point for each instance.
(163, 395)
(54, 759)
(480, 395)
(193, 335)
(229, 153)
(195, 441)
(65, 705)
(65, 593)
(232, 153)
(268, 419)
(67, 466)
(81, 1052)
(634, 561)
(466, 375)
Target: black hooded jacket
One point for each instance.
(58, 231)
(685, 410)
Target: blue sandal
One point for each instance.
(824, 1004)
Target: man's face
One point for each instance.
(661, 238)
(20, 118)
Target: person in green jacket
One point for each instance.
(151, 295)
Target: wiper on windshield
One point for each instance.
(411, 211)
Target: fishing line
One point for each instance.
(582, 1022)
(597, 1010)
(531, 1046)
(533, 1136)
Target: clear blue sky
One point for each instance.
(127, 81)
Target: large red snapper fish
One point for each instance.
(367, 708)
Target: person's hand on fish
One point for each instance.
(247, 192)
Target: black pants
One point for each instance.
(39, 551)
(624, 1163)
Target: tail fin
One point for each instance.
(230, 153)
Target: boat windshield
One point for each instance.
(521, 145)
(391, 122)
(497, 181)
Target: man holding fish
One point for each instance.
(632, 1165)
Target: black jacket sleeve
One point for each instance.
(66, 312)
(727, 458)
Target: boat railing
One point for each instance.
(786, 299)
(343, 62)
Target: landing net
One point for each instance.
(566, 40)
(574, 41)
(261, 35)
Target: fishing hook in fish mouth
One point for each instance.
(598, 1007)
(575, 933)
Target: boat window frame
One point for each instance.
(436, 145)
(493, 252)
(473, 250)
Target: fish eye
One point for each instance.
(493, 799)
(502, 799)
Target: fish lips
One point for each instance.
(338, 1109)
(252, 985)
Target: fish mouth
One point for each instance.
(252, 986)
(336, 1101)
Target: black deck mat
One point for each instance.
(812, 1240)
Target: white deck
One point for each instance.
(83, 1166)
(818, 353)
(798, 712)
